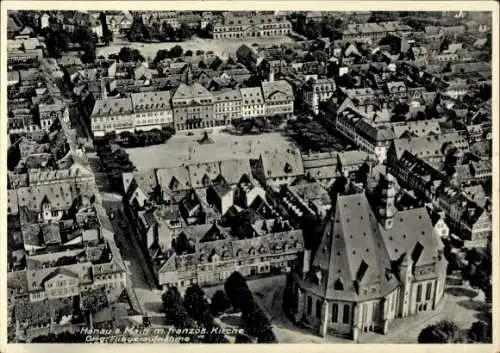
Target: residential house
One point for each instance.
(227, 106)
(318, 91)
(277, 167)
(252, 102)
(193, 107)
(278, 97)
(152, 110)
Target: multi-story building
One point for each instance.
(112, 115)
(321, 167)
(252, 102)
(370, 268)
(118, 23)
(278, 97)
(227, 106)
(432, 148)
(152, 110)
(259, 25)
(318, 91)
(278, 167)
(193, 107)
(49, 113)
(211, 253)
(374, 139)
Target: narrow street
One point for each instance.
(143, 281)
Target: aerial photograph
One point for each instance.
(249, 176)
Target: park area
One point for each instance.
(185, 148)
(222, 47)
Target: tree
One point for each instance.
(174, 310)
(195, 303)
(93, 300)
(128, 54)
(443, 332)
(219, 303)
(237, 291)
(168, 31)
(175, 52)
(241, 225)
(161, 55)
(480, 332)
(188, 53)
(258, 325)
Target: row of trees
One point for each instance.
(141, 138)
(256, 322)
(58, 41)
(191, 312)
(448, 332)
(115, 162)
(325, 28)
(140, 32)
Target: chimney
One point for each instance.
(307, 262)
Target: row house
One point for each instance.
(470, 221)
(432, 148)
(374, 139)
(209, 254)
(252, 102)
(227, 106)
(152, 110)
(193, 107)
(278, 97)
(112, 115)
(278, 167)
(142, 111)
(256, 26)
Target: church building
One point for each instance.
(374, 264)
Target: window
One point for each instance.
(428, 291)
(335, 312)
(419, 293)
(309, 305)
(345, 314)
(318, 308)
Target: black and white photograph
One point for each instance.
(249, 176)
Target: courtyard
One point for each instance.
(184, 148)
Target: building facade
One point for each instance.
(256, 26)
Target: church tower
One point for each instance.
(188, 76)
(386, 208)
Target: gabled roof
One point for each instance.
(357, 252)
(282, 163)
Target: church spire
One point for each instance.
(386, 209)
